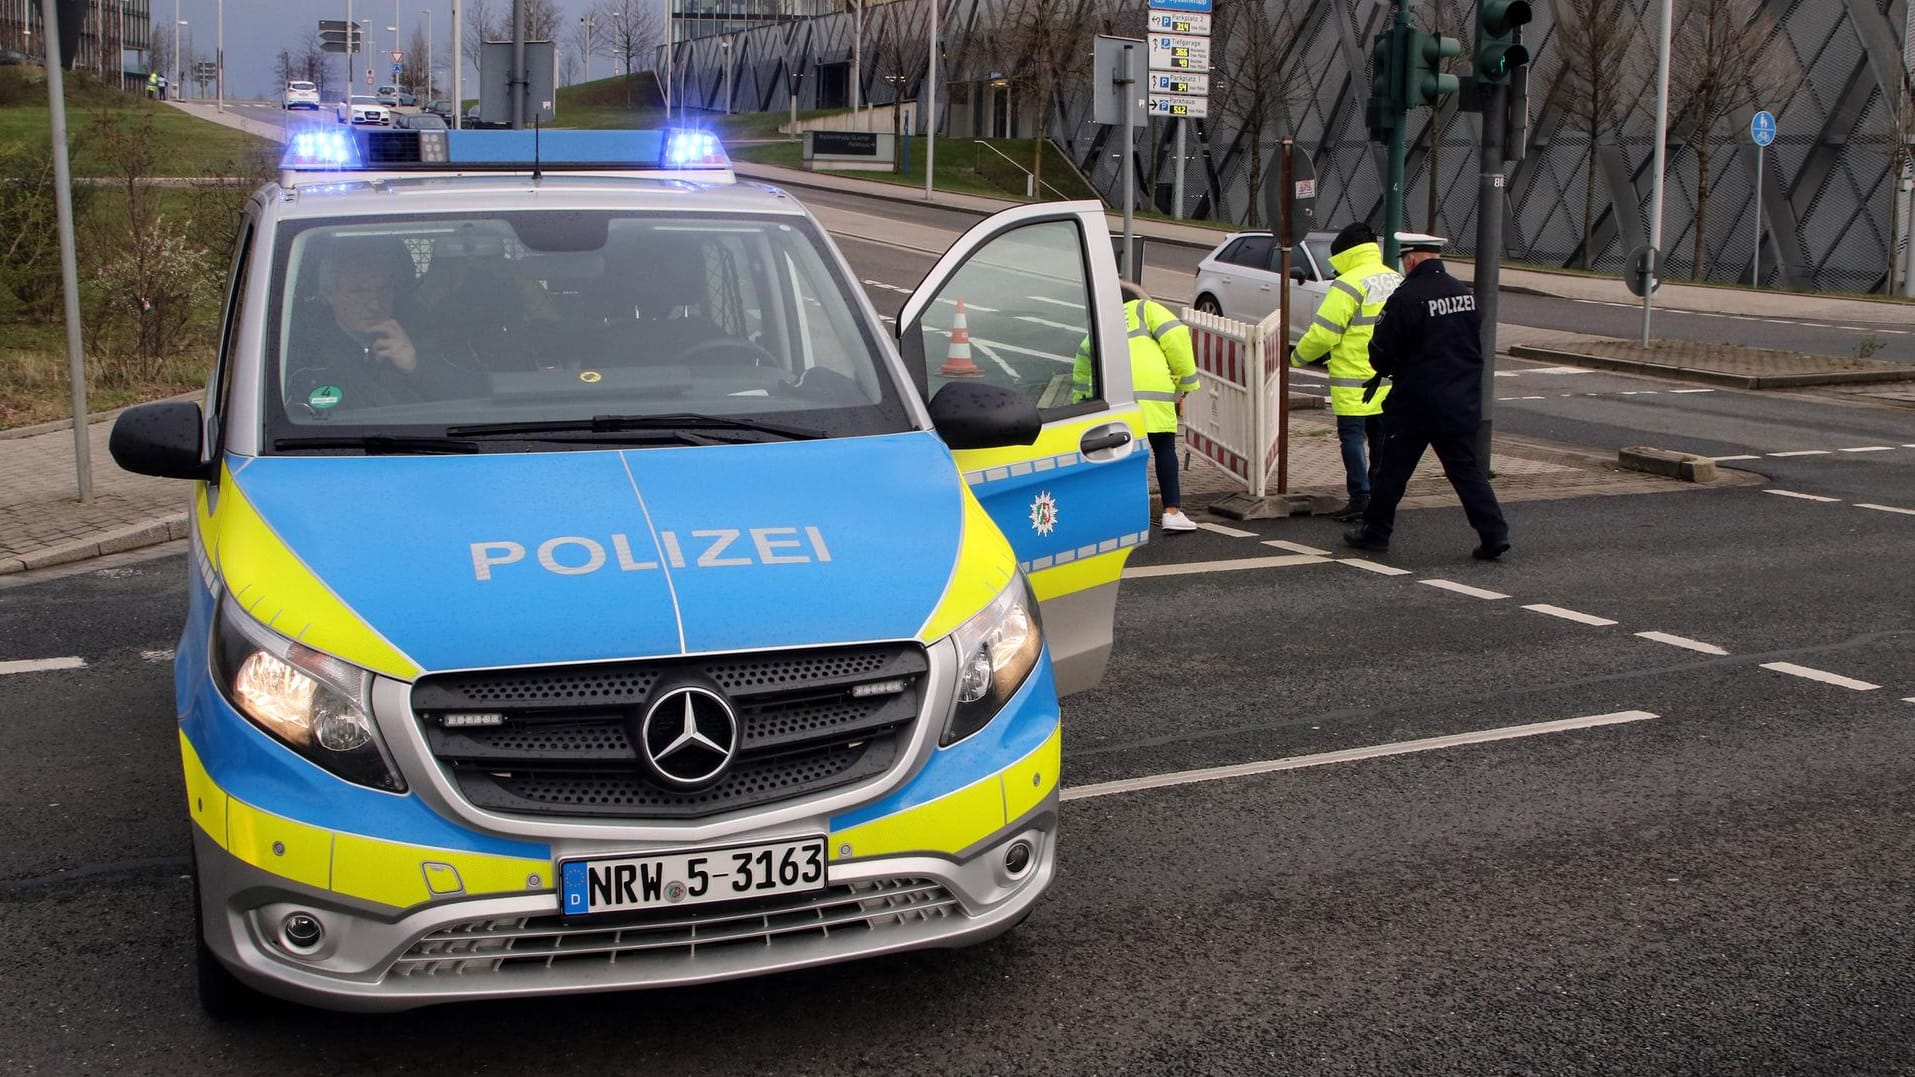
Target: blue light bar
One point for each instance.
(334, 150)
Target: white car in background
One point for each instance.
(300, 94)
(360, 109)
(1240, 277)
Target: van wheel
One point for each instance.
(221, 994)
(1207, 304)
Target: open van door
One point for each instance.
(1028, 299)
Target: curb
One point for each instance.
(151, 533)
(1706, 376)
(93, 418)
(1688, 467)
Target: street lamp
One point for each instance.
(586, 21)
(179, 59)
(429, 56)
(219, 57)
(725, 44)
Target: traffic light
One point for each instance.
(1499, 49)
(1427, 83)
(1386, 86)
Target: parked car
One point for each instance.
(441, 108)
(360, 109)
(12, 58)
(388, 96)
(419, 121)
(408, 99)
(1239, 278)
(300, 94)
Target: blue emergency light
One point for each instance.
(340, 149)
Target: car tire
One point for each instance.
(1207, 304)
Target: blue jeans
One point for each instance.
(1353, 431)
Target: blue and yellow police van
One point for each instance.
(588, 590)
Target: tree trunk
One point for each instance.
(1037, 138)
(1589, 197)
(1698, 270)
(1256, 181)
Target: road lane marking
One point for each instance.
(1035, 320)
(1870, 448)
(1296, 547)
(1569, 615)
(989, 353)
(1238, 565)
(1228, 532)
(165, 655)
(1372, 566)
(1553, 370)
(1802, 452)
(40, 665)
(1803, 497)
(1682, 641)
(1835, 679)
(1348, 755)
(1725, 459)
(1035, 298)
(1886, 508)
(1462, 589)
(1692, 390)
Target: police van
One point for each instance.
(589, 592)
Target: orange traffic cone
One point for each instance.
(957, 363)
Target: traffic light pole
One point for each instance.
(1399, 148)
(1489, 247)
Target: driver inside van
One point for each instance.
(349, 347)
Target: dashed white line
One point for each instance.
(1886, 508)
(40, 665)
(1238, 565)
(1035, 298)
(1692, 390)
(1296, 547)
(1462, 589)
(165, 655)
(1502, 398)
(1682, 641)
(1035, 320)
(1009, 371)
(1569, 615)
(1806, 673)
(1802, 452)
(1349, 755)
(1372, 566)
(1724, 459)
(1229, 532)
(1802, 497)
(1870, 448)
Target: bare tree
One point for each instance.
(412, 70)
(1258, 52)
(631, 29)
(1594, 83)
(1048, 43)
(901, 58)
(1719, 63)
(588, 40)
(482, 24)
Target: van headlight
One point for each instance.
(997, 649)
(317, 705)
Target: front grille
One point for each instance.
(563, 746)
(670, 937)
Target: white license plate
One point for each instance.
(628, 883)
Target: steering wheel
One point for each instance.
(759, 355)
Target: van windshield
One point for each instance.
(433, 326)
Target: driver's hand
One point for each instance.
(390, 344)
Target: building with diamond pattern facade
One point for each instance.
(1830, 181)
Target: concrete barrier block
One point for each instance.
(1688, 467)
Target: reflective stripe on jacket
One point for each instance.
(1163, 367)
(1344, 325)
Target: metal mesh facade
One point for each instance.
(1829, 178)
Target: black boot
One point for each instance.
(1351, 511)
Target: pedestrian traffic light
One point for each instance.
(1427, 83)
(1499, 48)
(1385, 107)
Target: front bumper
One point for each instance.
(423, 900)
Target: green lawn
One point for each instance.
(184, 146)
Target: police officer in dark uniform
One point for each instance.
(1429, 342)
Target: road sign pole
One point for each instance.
(1286, 236)
(1662, 139)
(1177, 185)
(1755, 265)
(1399, 149)
(69, 272)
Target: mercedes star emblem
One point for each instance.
(688, 738)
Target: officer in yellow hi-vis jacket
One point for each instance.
(1163, 370)
(1340, 337)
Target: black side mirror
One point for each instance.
(977, 415)
(1298, 275)
(166, 439)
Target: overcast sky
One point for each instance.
(257, 29)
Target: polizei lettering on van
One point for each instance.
(717, 547)
(1452, 304)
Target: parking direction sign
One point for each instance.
(1178, 83)
(1179, 52)
(1177, 22)
(1202, 6)
(1762, 128)
(1180, 106)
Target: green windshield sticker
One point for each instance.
(326, 396)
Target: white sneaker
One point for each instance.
(1175, 520)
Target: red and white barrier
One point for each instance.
(1234, 420)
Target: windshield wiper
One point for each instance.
(613, 424)
(380, 444)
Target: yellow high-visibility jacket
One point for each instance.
(1344, 325)
(1162, 365)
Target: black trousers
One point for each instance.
(1403, 445)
